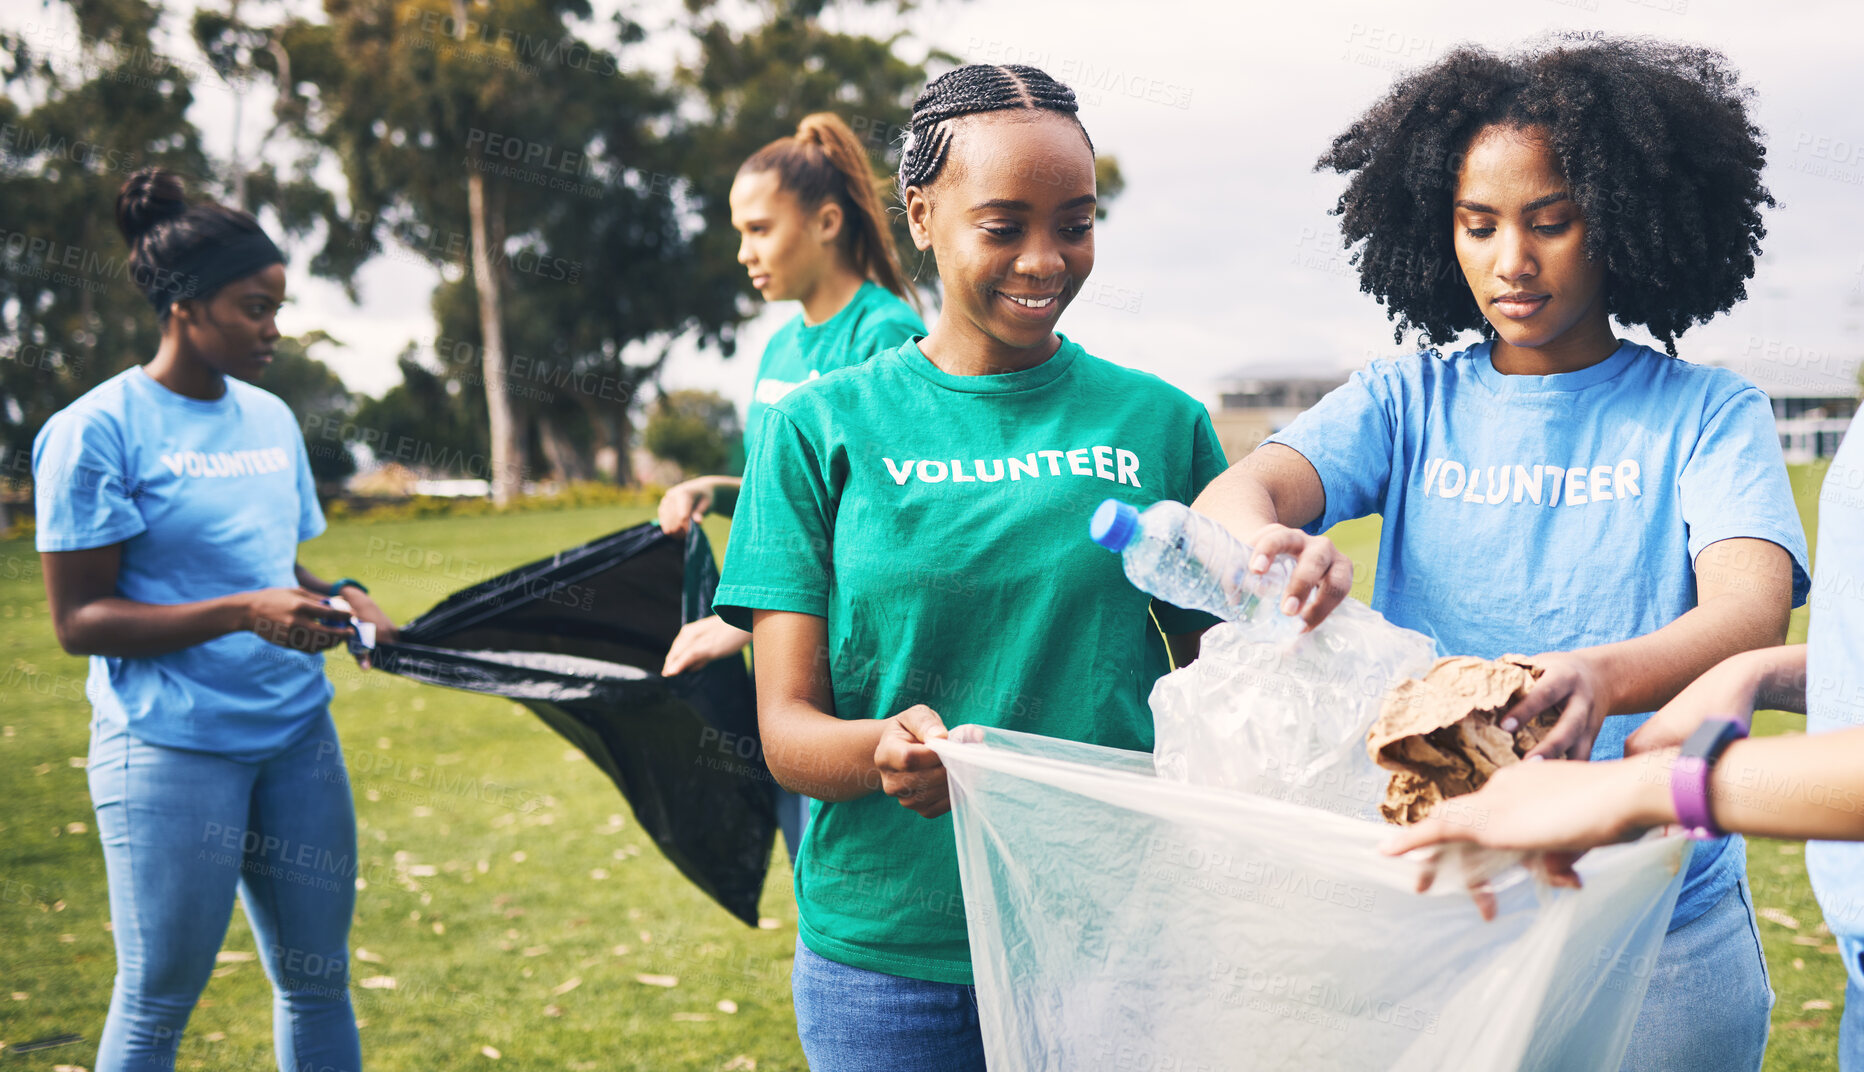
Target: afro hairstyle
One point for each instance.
(1654, 141)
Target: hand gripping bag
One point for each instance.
(1123, 919)
(579, 639)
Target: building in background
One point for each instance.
(1811, 426)
(1810, 414)
(1252, 407)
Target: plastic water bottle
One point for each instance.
(1190, 561)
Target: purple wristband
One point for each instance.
(1689, 776)
(1689, 791)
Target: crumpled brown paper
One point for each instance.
(1439, 735)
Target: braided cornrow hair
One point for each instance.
(969, 91)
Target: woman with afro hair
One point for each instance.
(1553, 488)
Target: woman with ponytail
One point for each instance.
(171, 500)
(812, 231)
(912, 553)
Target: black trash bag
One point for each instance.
(579, 638)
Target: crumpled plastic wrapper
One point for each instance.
(1287, 720)
(1440, 735)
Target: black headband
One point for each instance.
(209, 269)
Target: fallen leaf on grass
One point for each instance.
(368, 957)
(1816, 1003)
(225, 970)
(1799, 964)
(378, 982)
(728, 1006)
(69, 1068)
(741, 1063)
(536, 950)
(553, 1010)
(566, 986)
(76, 828)
(216, 1036)
(658, 980)
(234, 956)
(1804, 1023)
(1774, 915)
(768, 923)
(1807, 939)
(491, 1051)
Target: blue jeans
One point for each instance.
(181, 831)
(1851, 1020)
(1710, 998)
(792, 817)
(855, 1020)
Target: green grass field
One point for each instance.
(535, 923)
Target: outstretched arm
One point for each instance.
(1744, 591)
(1782, 787)
(691, 500)
(1264, 500)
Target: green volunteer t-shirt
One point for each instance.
(873, 320)
(939, 524)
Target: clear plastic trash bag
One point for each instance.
(1119, 921)
(1285, 720)
(1133, 913)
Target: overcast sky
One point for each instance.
(1220, 259)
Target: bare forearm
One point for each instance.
(1272, 486)
(1782, 678)
(126, 629)
(725, 495)
(307, 579)
(1783, 787)
(1239, 501)
(811, 752)
(1648, 671)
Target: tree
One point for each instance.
(480, 135)
(320, 401)
(753, 87)
(698, 431)
(104, 104)
(427, 422)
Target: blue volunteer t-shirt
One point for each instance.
(1546, 513)
(207, 499)
(1835, 671)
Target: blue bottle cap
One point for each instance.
(1114, 525)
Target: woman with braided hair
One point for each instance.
(812, 230)
(912, 553)
(1554, 488)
